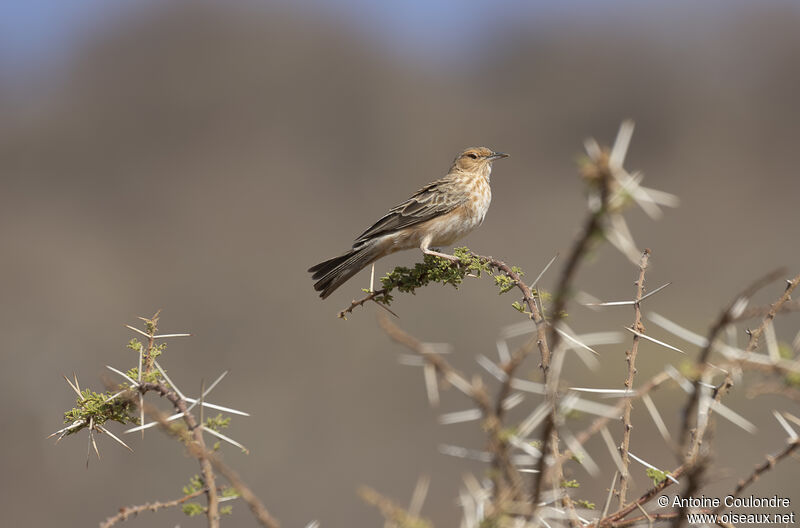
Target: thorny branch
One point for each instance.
(692, 436)
(774, 308)
(127, 512)
(643, 499)
(191, 436)
(598, 174)
(196, 440)
(631, 359)
(602, 421)
(691, 410)
(212, 498)
(199, 451)
(528, 298)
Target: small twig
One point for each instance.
(540, 339)
(361, 302)
(771, 313)
(131, 511)
(152, 324)
(761, 311)
(643, 499)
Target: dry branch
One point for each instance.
(126, 512)
(624, 481)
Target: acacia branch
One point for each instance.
(152, 327)
(692, 406)
(127, 512)
(599, 174)
(771, 313)
(381, 298)
(760, 311)
(602, 421)
(637, 326)
(372, 296)
(643, 499)
(689, 446)
(199, 451)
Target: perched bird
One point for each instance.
(436, 215)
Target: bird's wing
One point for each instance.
(435, 199)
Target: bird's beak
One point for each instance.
(497, 156)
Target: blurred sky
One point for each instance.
(33, 32)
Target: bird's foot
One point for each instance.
(451, 258)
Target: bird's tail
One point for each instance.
(336, 271)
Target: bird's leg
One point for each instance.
(372, 279)
(425, 249)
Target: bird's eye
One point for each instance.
(473, 155)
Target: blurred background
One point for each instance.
(198, 157)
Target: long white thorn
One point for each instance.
(131, 380)
(642, 462)
(114, 437)
(656, 416)
(785, 425)
(653, 340)
(225, 438)
(418, 497)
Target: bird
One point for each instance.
(437, 215)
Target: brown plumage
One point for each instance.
(437, 215)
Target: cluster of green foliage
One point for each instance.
(439, 270)
(95, 407)
(657, 476)
(98, 407)
(217, 423)
(147, 377)
(197, 484)
(431, 269)
(152, 352)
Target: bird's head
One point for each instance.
(477, 159)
